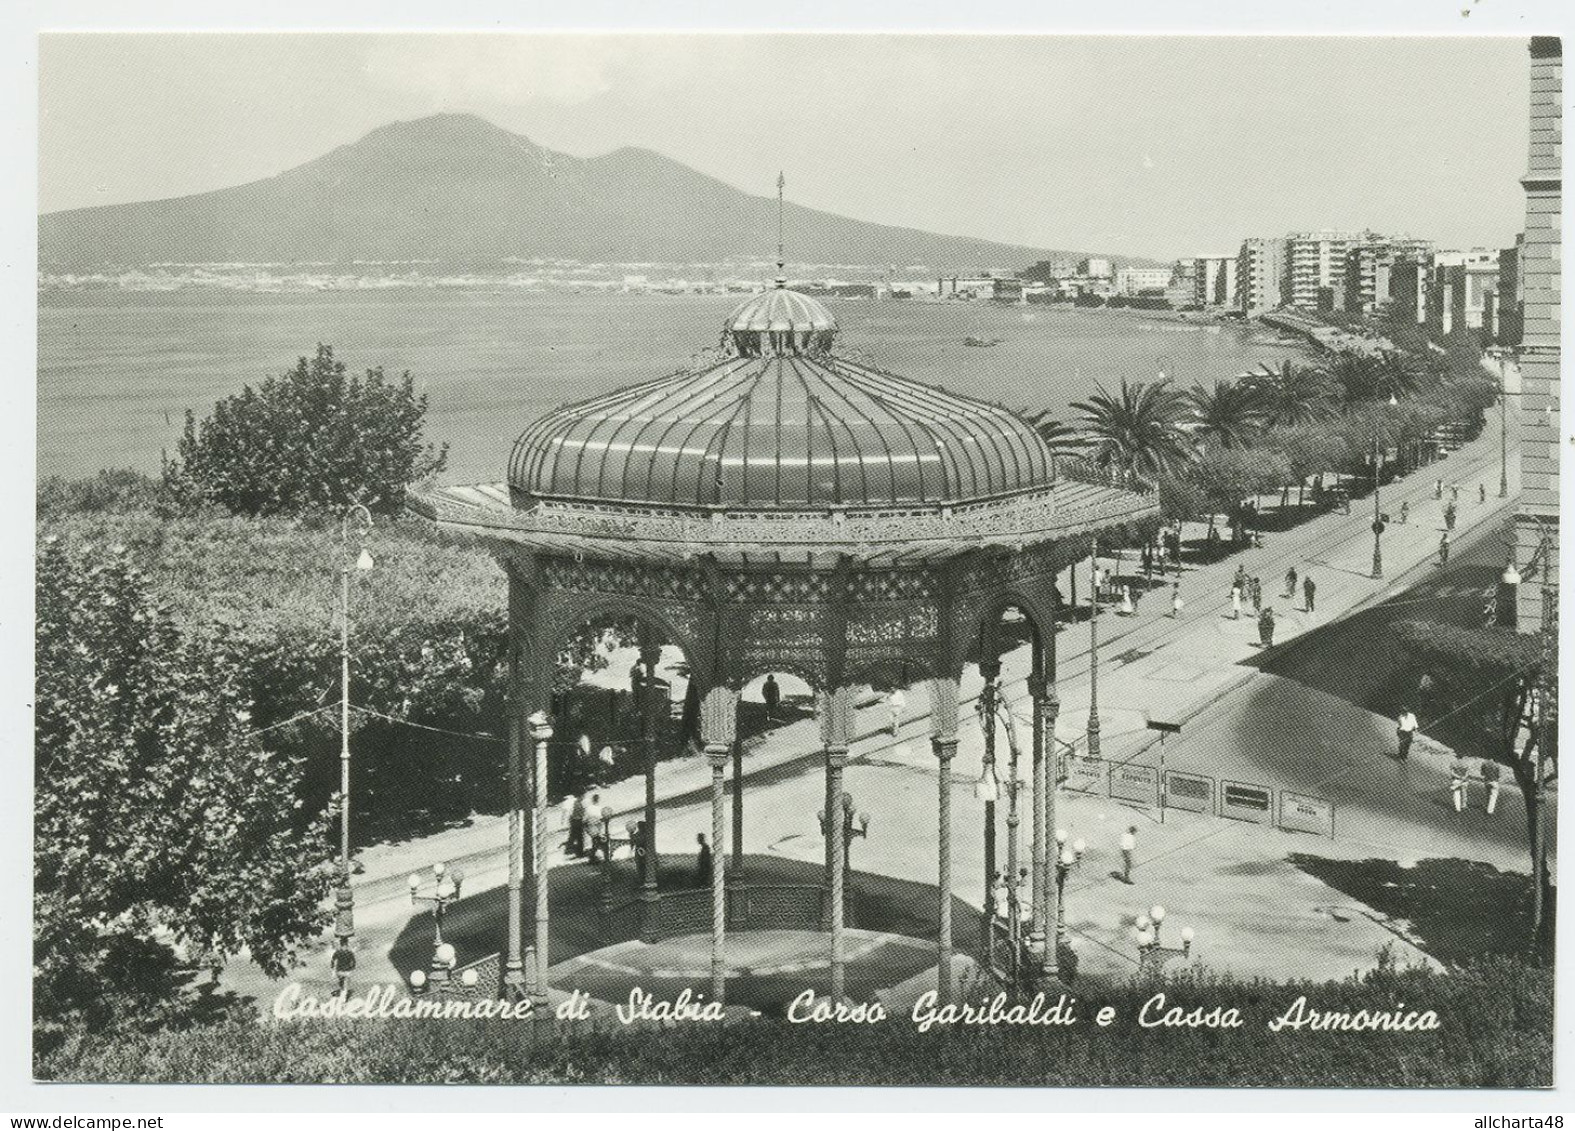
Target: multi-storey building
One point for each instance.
(1510, 303)
(1315, 268)
(1369, 270)
(1137, 280)
(1096, 268)
(1536, 552)
(1458, 289)
(1215, 281)
(1183, 288)
(1260, 270)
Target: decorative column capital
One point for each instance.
(717, 753)
(945, 748)
(540, 726)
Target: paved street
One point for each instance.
(1294, 718)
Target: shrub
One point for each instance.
(309, 438)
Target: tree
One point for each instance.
(311, 437)
(1291, 394)
(1228, 415)
(1062, 439)
(1506, 683)
(1137, 432)
(161, 823)
(1353, 377)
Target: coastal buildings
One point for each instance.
(1536, 546)
(1096, 268)
(1214, 283)
(1142, 280)
(1459, 284)
(1315, 268)
(1260, 272)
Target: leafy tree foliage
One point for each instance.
(1229, 414)
(1138, 430)
(162, 822)
(312, 437)
(1505, 685)
(1291, 394)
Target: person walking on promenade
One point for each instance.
(1459, 778)
(1176, 602)
(1128, 848)
(1443, 549)
(1000, 898)
(1481, 492)
(1235, 601)
(1126, 608)
(702, 862)
(1405, 730)
(1405, 512)
(1266, 627)
(1454, 493)
(896, 704)
(772, 694)
(577, 828)
(1490, 775)
(1290, 584)
(1449, 517)
(1309, 594)
(1438, 489)
(1256, 588)
(1148, 563)
(596, 829)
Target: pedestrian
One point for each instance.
(1459, 778)
(1449, 517)
(1176, 602)
(702, 862)
(1481, 492)
(1126, 608)
(1266, 627)
(1438, 489)
(1256, 585)
(1290, 584)
(1454, 493)
(1128, 847)
(1241, 577)
(1490, 775)
(1235, 601)
(896, 703)
(1443, 549)
(772, 694)
(1000, 898)
(595, 828)
(1405, 730)
(1025, 897)
(577, 828)
(1309, 594)
(1405, 513)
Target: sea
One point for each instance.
(118, 369)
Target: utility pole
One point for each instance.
(1093, 652)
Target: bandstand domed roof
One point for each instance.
(784, 424)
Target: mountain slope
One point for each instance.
(457, 189)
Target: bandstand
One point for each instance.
(781, 508)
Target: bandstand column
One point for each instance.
(541, 734)
(718, 714)
(943, 723)
(514, 957)
(839, 729)
(650, 656)
(1047, 708)
(1042, 804)
(990, 669)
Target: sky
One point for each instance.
(1147, 146)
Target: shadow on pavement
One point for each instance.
(1454, 909)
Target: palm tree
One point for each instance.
(1397, 375)
(1231, 414)
(1354, 376)
(1062, 439)
(1139, 431)
(1291, 394)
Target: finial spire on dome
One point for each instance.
(781, 259)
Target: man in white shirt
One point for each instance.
(897, 703)
(1406, 728)
(1128, 847)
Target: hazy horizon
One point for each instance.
(1144, 146)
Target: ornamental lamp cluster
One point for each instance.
(1146, 933)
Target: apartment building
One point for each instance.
(1315, 268)
(1260, 271)
(1138, 280)
(1214, 283)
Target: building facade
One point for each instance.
(1138, 280)
(1215, 282)
(1096, 268)
(1260, 271)
(1458, 288)
(1536, 548)
(1315, 268)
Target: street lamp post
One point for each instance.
(446, 885)
(1093, 653)
(1152, 954)
(358, 519)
